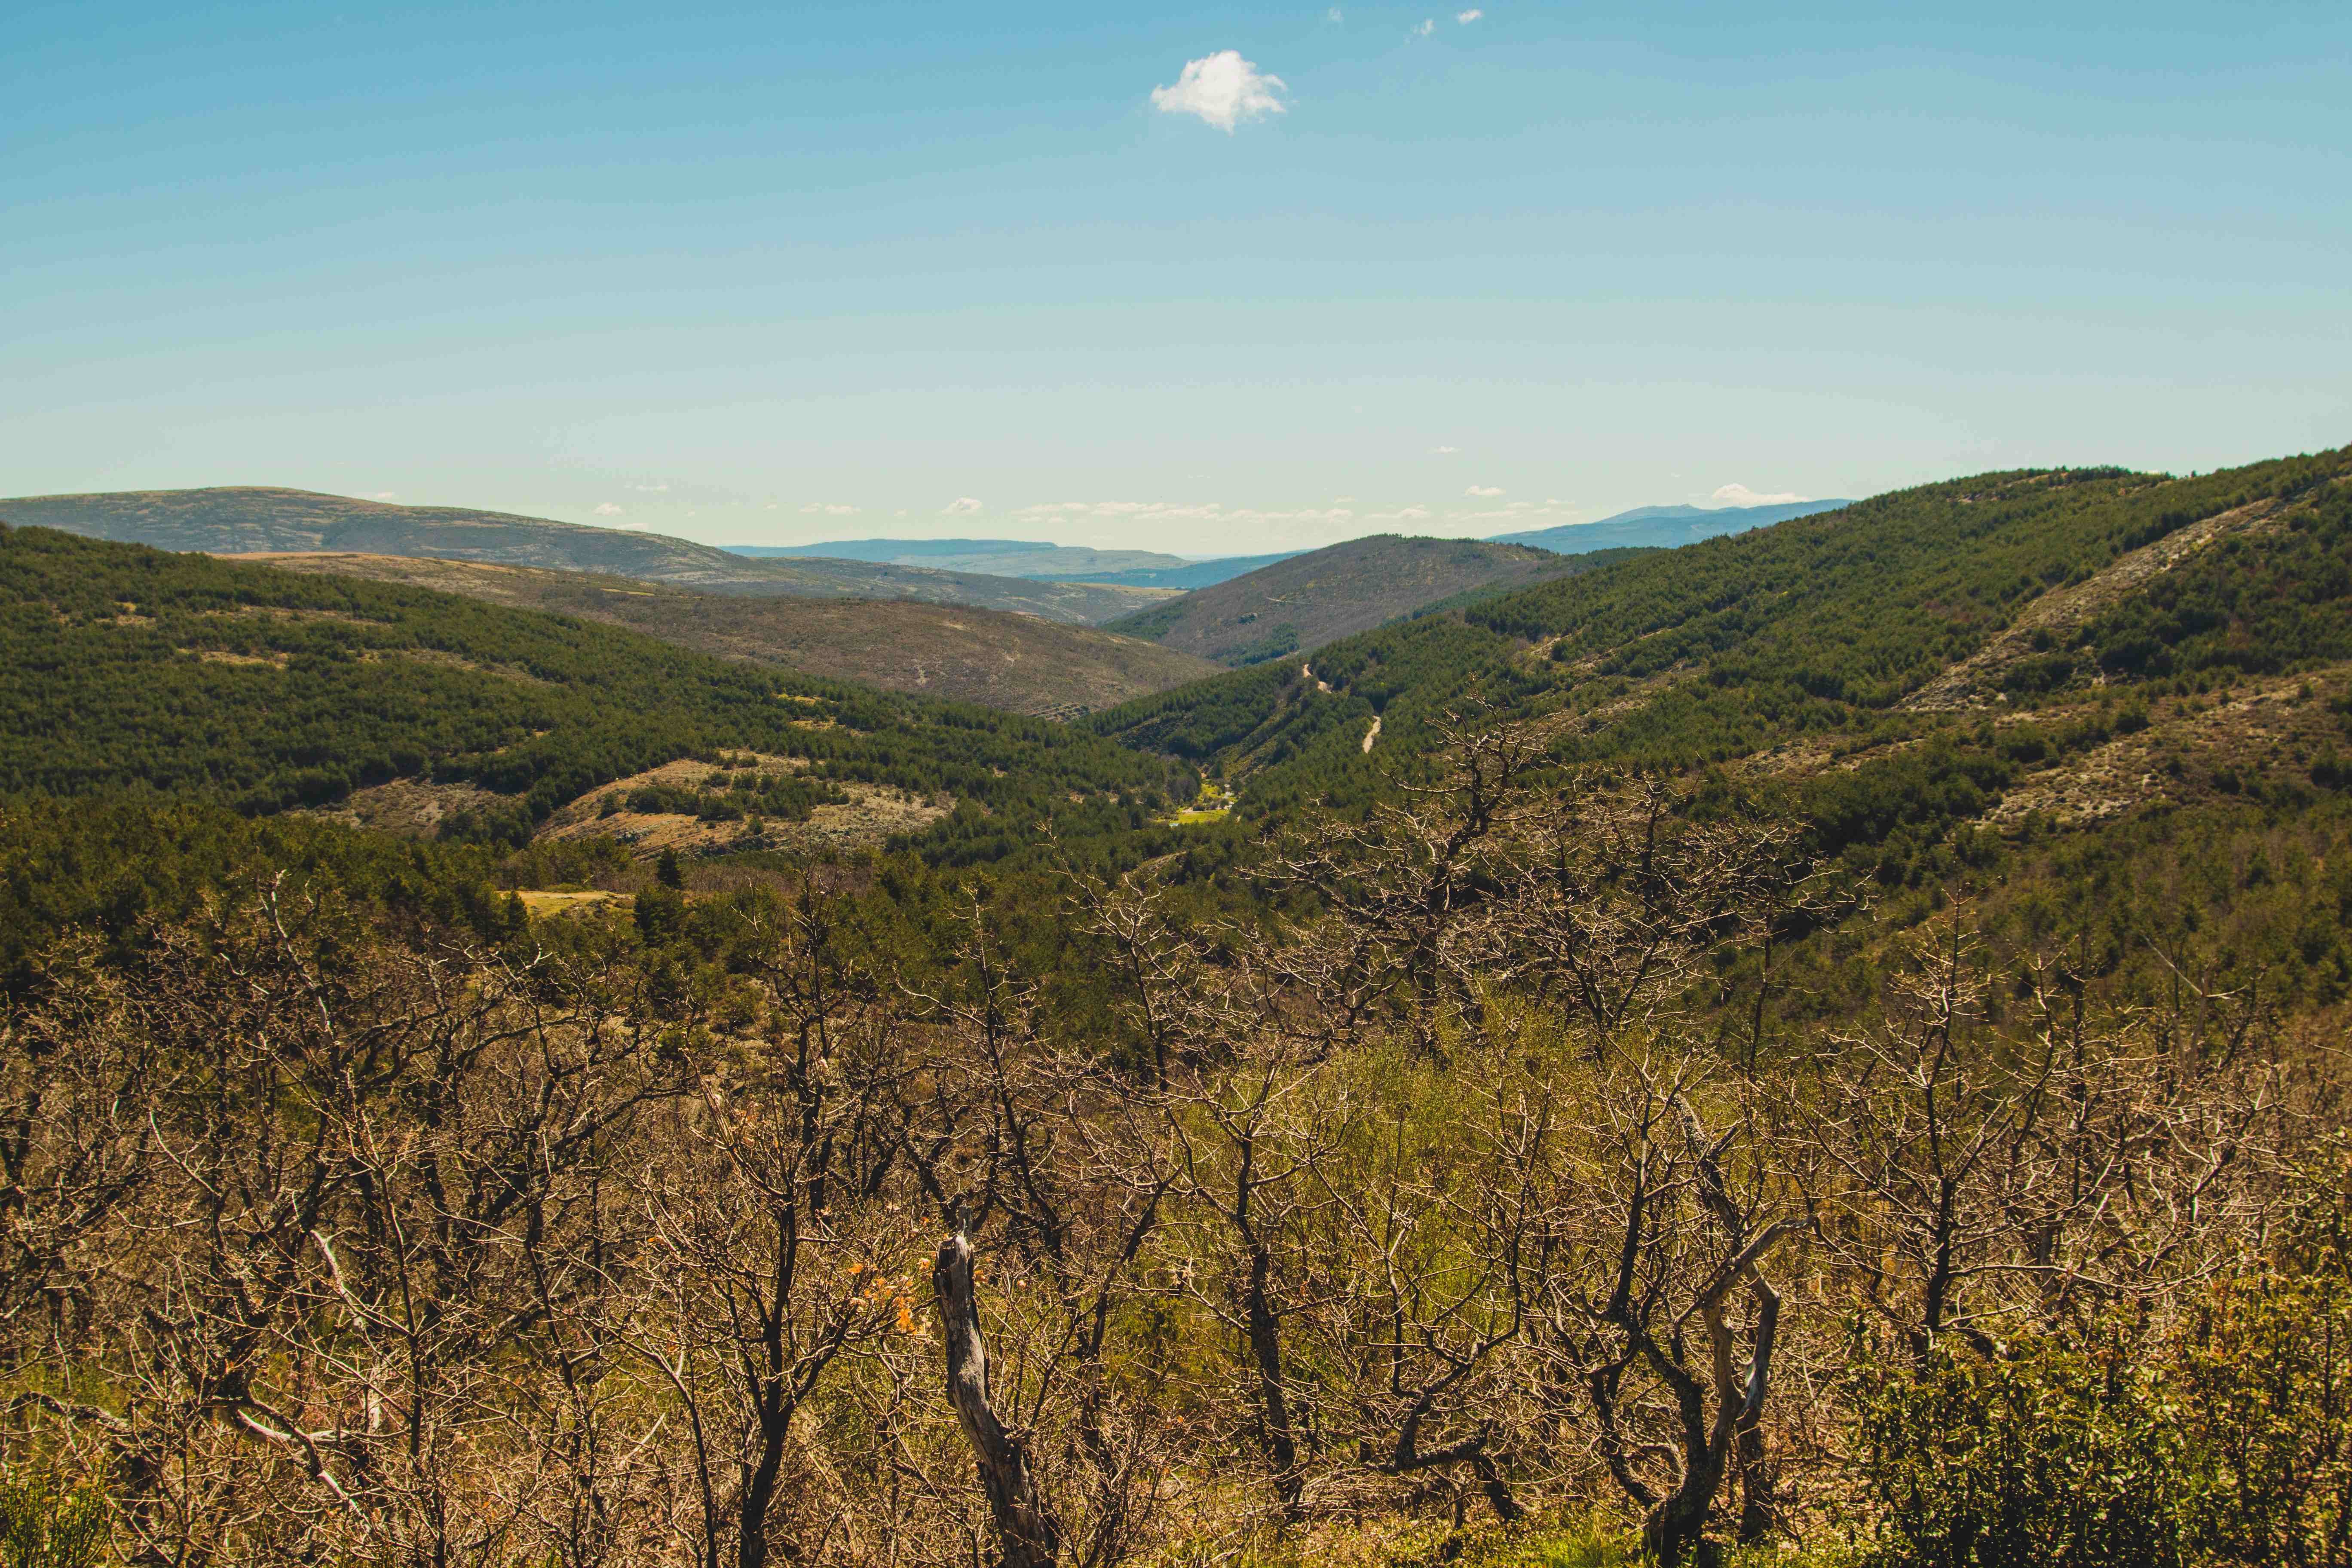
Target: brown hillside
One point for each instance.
(239, 520)
(1299, 604)
(972, 655)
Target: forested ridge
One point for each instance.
(134, 668)
(1825, 1044)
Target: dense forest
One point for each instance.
(1822, 1045)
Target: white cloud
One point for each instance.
(1445, 451)
(1740, 495)
(817, 509)
(1334, 14)
(1466, 17)
(1483, 491)
(608, 510)
(382, 495)
(651, 490)
(1426, 27)
(962, 506)
(1223, 89)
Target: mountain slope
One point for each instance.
(961, 652)
(244, 518)
(1663, 527)
(131, 668)
(1932, 648)
(1299, 604)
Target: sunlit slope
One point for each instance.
(1825, 632)
(130, 667)
(961, 652)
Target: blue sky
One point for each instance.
(933, 269)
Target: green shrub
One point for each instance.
(2057, 1456)
(43, 1525)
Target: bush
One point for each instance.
(2054, 1457)
(44, 1526)
(2223, 1439)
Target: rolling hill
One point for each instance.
(245, 519)
(961, 652)
(1663, 527)
(1909, 662)
(134, 670)
(1302, 602)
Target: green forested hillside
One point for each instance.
(1822, 624)
(130, 668)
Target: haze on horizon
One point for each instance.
(1203, 279)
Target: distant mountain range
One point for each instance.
(1031, 559)
(239, 520)
(1026, 558)
(1663, 527)
(1192, 573)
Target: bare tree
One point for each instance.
(1641, 1269)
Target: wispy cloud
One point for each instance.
(608, 510)
(651, 490)
(1334, 14)
(962, 506)
(1466, 17)
(1740, 495)
(1427, 26)
(817, 509)
(1223, 90)
(383, 495)
(1483, 491)
(1445, 451)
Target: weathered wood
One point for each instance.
(1024, 1527)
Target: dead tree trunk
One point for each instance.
(1023, 1526)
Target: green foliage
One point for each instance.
(44, 1525)
(788, 797)
(2262, 1389)
(1281, 640)
(103, 866)
(2055, 1457)
(2222, 1439)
